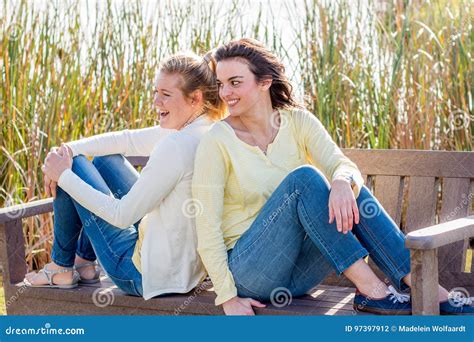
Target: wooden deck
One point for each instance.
(105, 298)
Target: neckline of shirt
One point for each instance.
(254, 147)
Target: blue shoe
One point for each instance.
(393, 304)
(458, 303)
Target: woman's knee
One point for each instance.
(80, 162)
(107, 160)
(88, 172)
(308, 175)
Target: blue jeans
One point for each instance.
(78, 231)
(291, 244)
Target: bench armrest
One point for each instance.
(12, 240)
(20, 211)
(441, 234)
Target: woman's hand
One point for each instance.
(50, 187)
(56, 162)
(343, 205)
(241, 306)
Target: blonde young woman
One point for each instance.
(281, 202)
(98, 205)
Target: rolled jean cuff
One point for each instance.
(360, 254)
(86, 257)
(60, 263)
(397, 277)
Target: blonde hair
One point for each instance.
(197, 74)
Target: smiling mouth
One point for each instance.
(232, 102)
(163, 113)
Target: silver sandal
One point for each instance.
(96, 278)
(50, 275)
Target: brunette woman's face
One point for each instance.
(173, 107)
(238, 87)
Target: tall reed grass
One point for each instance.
(378, 73)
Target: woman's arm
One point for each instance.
(136, 142)
(340, 170)
(209, 179)
(324, 152)
(161, 175)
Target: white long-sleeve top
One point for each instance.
(165, 252)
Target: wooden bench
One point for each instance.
(427, 193)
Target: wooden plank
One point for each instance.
(422, 198)
(389, 192)
(3, 256)
(424, 273)
(452, 257)
(334, 280)
(14, 265)
(441, 234)
(26, 210)
(413, 163)
(81, 301)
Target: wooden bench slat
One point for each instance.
(13, 256)
(413, 163)
(455, 204)
(389, 192)
(422, 199)
(337, 303)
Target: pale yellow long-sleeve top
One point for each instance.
(233, 180)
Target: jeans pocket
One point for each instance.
(126, 285)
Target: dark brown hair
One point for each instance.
(265, 65)
(197, 74)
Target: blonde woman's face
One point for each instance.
(172, 106)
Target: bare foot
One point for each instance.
(86, 272)
(375, 291)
